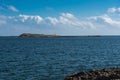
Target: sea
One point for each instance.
(55, 58)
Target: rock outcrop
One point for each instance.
(104, 74)
(29, 35)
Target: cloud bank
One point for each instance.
(65, 21)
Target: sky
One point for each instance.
(61, 17)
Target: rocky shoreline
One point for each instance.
(103, 74)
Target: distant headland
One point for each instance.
(29, 35)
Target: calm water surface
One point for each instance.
(55, 58)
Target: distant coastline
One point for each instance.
(77, 35)
(30, 35)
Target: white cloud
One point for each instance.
(114, 10)
(35, 18)
(12, 8)
(52, 20)
(105, 20)
(5, 7)
(68, 15)
(70, 19)
(67, 19)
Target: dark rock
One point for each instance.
(103, 74)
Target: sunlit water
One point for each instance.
(55, 58)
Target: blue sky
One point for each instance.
(62, 17)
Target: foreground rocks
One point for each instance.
(104, 74)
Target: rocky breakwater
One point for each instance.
(29, 35)
(103, 74)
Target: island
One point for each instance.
(103, 74)
(29, 35)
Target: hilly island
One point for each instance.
(29, 35)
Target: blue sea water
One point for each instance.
(55, 58)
